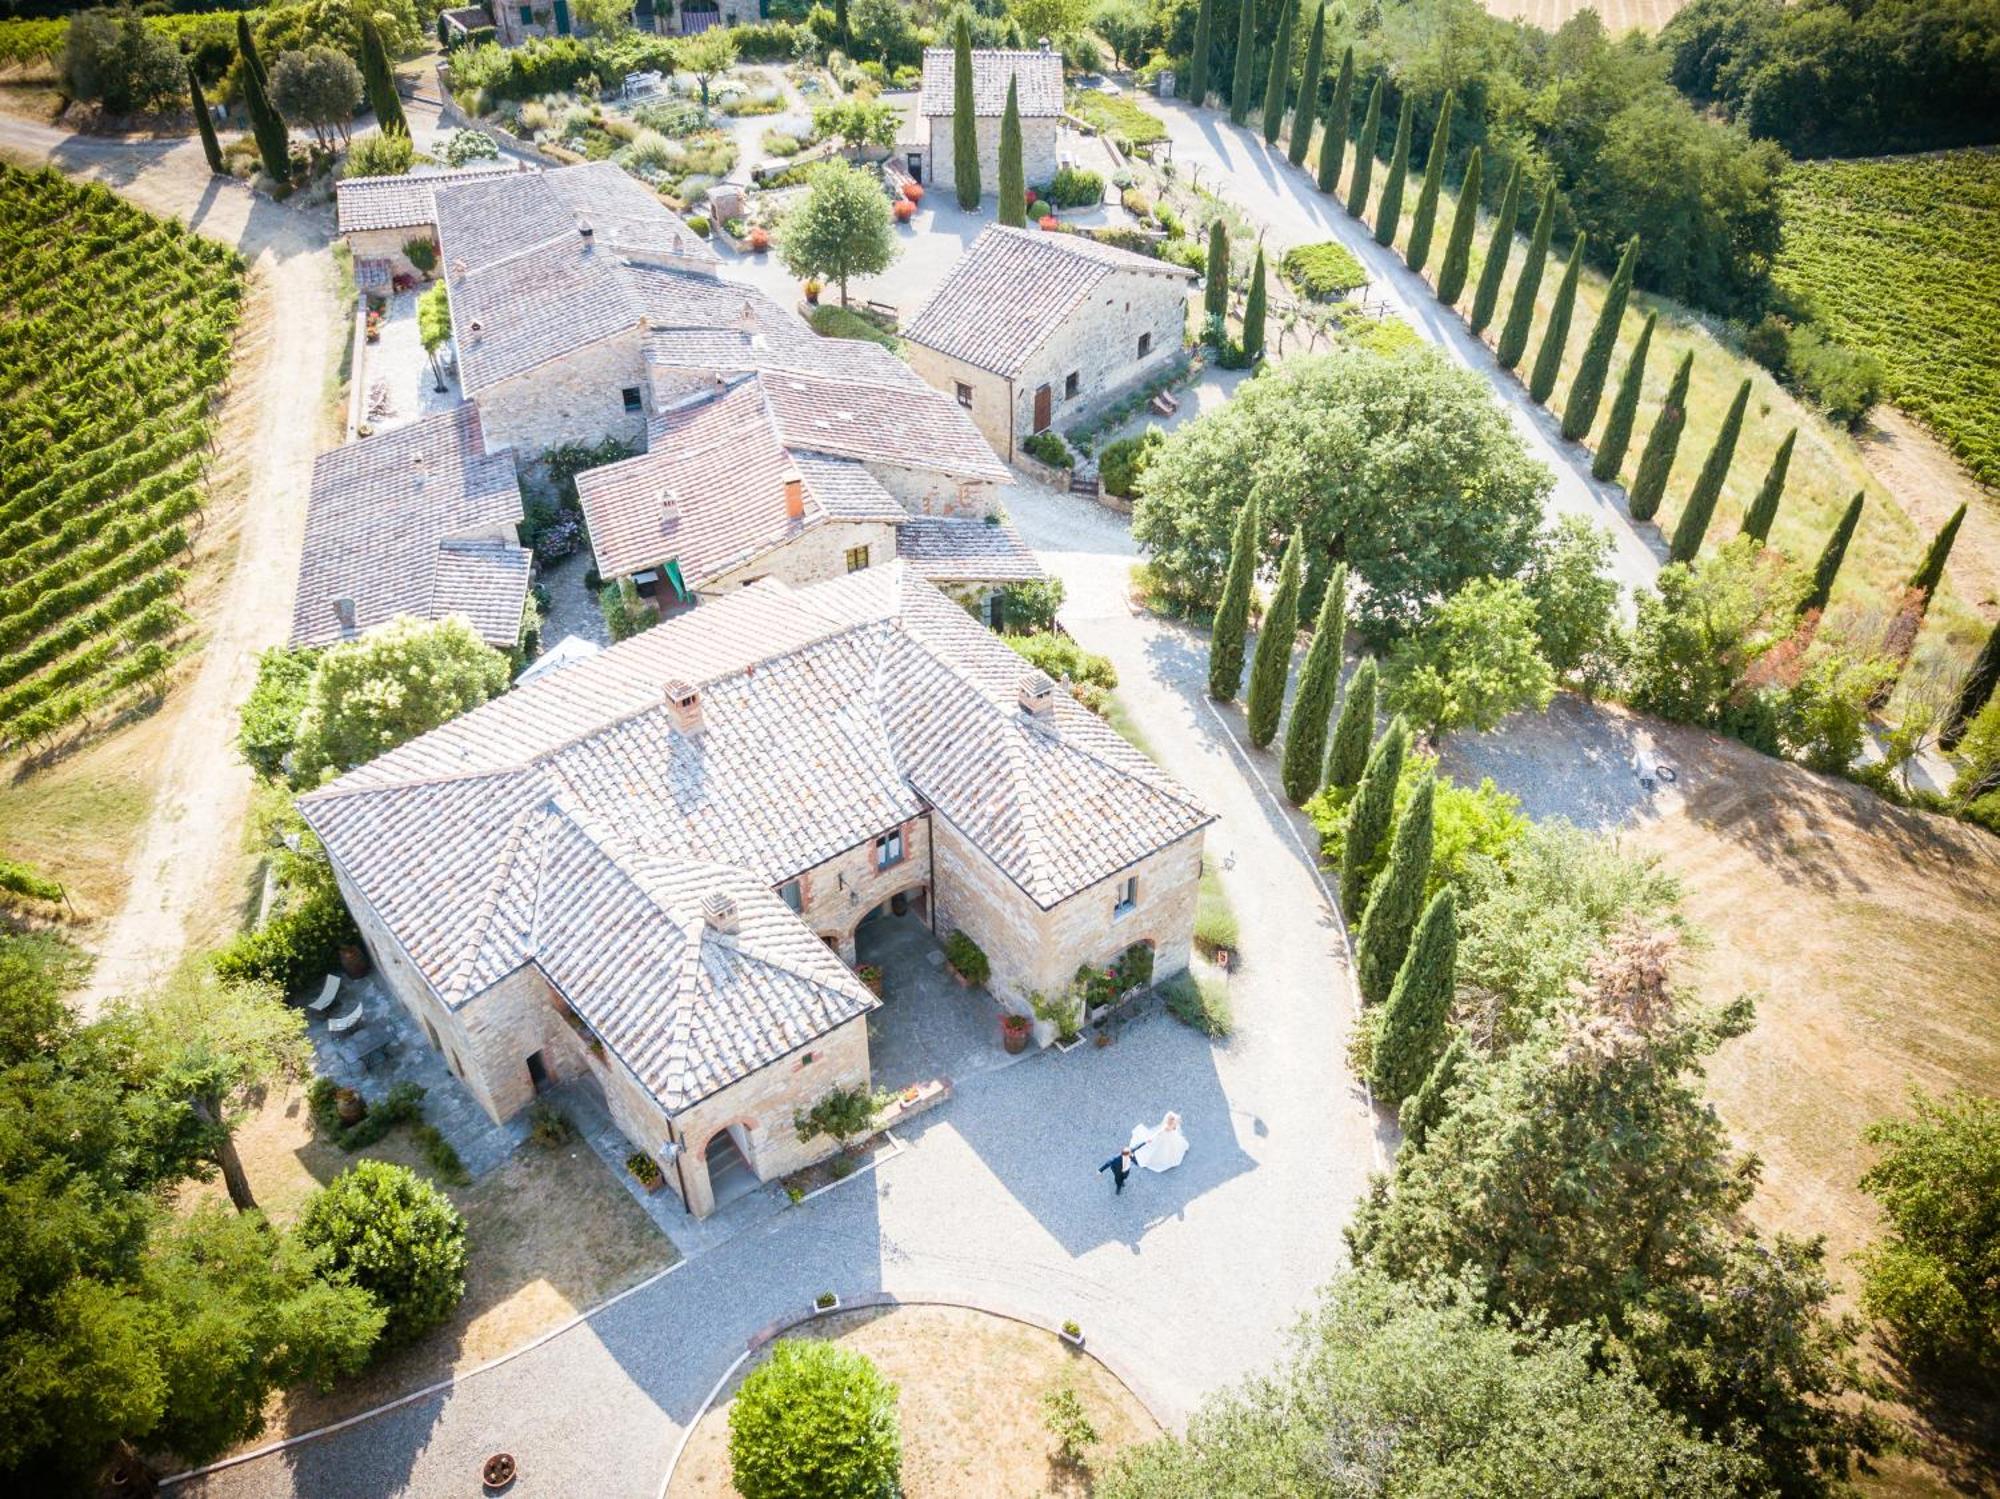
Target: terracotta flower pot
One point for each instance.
(354, 960)
(497, 1472)
(1014, 1032)
(348, 1107)
(913, 192)
(905, 211)
(760, 241)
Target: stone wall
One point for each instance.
(837, 893)
(990, 410)
(813, 556)
(1038, 153)
(1099, 342)
(387, 244)
(1033, 950)
(929, 491)
(760, 1109)
(577, 398)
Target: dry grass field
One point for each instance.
(1619, 16)
(970, 1397)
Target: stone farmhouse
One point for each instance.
(1038, 96)
(646, 869)
(775, 474)
(519, 20)
(1032, 329)
(420, 520)
(379, 216)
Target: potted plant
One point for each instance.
(645, 1170)
(760, 240)
(354, 960)
(497, 1472)
(348, 1107)
(905, 211)
(813, 289)
(1072, 1334)
(913, 192)
(1049, 222)
(967, 960)
(871, 978)
(1014, 1032)
(825, 1302)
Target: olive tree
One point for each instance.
(841, 230)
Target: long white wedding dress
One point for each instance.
(1160, 1148)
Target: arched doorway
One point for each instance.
(728, 1166)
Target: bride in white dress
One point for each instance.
(1161, 1148)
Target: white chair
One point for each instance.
(329, 992)
(340, 1025)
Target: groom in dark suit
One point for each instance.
(1120, 1167)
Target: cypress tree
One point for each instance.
(1656, 459)
(1389, 212)
(1828, 566)
(210, 146)
(1417, 1018)
(1580, 410)
(1624, 406)
(1272, 662)
(1232, 613)
(1246, 62)
(1347, 755)
(1319, 682)
(1364, 153)
(1930, 572)
(1369, 815)
(246, 48)
(1013, 185)
(1764, 509)
(1458, 247)
(274, 140)
(964, 126)
(1278, 82)
(1425, 217)
(1304, 112)
(1197, 74)
(1498, 249)
(1397, 898)
(1521, 311)
(1333, 139)
(1548, 360)
(1253, 311)
(1693, 524)
(1426, 1108)
(1215, 293)
(1978, 689)
(380, 81)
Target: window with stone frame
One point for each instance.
(793, 894)
(633, 400)
(1072, 383)
(1145, 344)
(857, 558)
(1128, 896)
(964, 393)
(889, 850)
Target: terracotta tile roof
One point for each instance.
(1039, 92)
(950, 550)
(723, 464)
(400, 202)
(557, 823)
(486, 219)
(911, 426)
(1014, 289)
(418, 520)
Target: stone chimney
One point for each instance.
(795, 493)
(1038, 696)
(344, 610)
(684, 707)
(1042, 43)
(586, 233)
(670, 509)
(718, 910)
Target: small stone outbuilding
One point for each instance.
(379, 217)
(1033, 330)
(1038, 84)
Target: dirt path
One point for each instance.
(1929, 484)
(186, 855)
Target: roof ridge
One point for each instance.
(489, 906)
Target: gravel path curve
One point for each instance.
(185, 852)
(1188, 1281)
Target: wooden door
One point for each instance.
(1044, 406)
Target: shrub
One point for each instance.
(672, 117)
(1091, 677)
(1215, 925)
(1136, 203)
(469, 146)
(403, 1105)
(645, 1170)
(270, 720)
(778, 143)
(379, 155)
(1325, 271)
(1050, 449)
(549, 1127)
(1122, 463)
(1840, 381)
(840, 1114)
(400, 1240)
(1075, 187)
(699, 224)
(1031, 607)
(1199, 1001)
(967, 957)
(815, 1418)
(422, 253)
(296, 947)
(441, 1154)
(1063, 1011)
(626, 612)
(23, 879)
(1067, 1421)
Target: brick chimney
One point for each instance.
(1038, 696)
(670, 509)
(684, 707)
(344, 610)
(718, 911)
(795, 493)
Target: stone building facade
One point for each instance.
(1037, 77)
